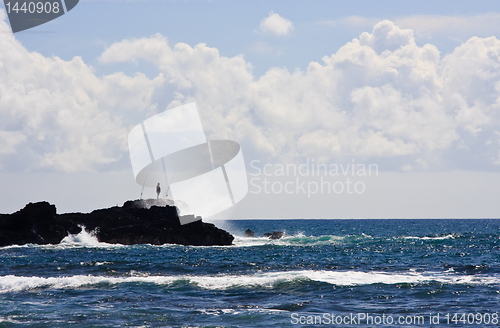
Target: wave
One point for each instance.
(80, 240)
(84, 239)
(89, 240)
(11, 283)
(297, 240)
(449, 236)
(301, 240)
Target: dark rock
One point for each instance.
(137, 222)
(249, 233)
(275, 234)
(35, 223)
(147, 203)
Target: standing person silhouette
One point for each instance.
(158, 190)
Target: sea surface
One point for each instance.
(326, 273)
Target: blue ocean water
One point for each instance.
(325, 270)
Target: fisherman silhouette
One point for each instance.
(158, 190)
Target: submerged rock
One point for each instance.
(137, 222)
(275, 234)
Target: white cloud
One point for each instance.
(457, 27)
(379, 97)
(321, 142)
(10, 139)
(276, 25)
(387, 37)
(58, 114)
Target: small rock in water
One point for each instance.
(249, 233)
(275, 234)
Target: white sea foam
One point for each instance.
(251, 241)
(302, 240)
(10, 319)
(450, 236)
(218, 311)
(83, 239)
(296, 240)
(12, 283)
(88, 239)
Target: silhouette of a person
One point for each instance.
(158, 190)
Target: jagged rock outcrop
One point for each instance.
(136, 222)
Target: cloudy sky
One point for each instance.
(410, 87)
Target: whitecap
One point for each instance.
(298, 239)
(11, 283)
(84, 239)
(449, 236)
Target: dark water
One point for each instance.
(325, 270)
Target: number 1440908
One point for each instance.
(33, 7)
(472, 318)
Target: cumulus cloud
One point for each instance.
(276, 25)
(380, 97)
(458, 28)
(58, 115)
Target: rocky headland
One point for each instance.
(136, 222)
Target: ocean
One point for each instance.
(340, 273)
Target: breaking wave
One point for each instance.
(302, 240)
(11, 283)
(449, 236)
(88, 239)
(80, 240)
(83, 239)
(296, 240)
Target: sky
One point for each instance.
(410, 89)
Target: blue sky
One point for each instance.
(230, 26)
(411, 86)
